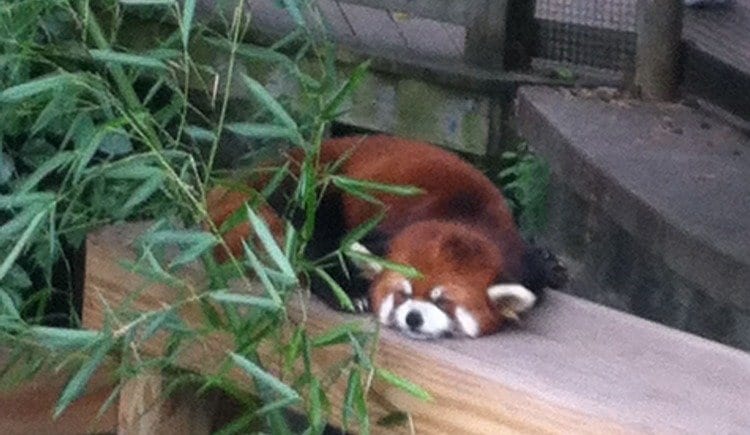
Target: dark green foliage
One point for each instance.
(96, 132)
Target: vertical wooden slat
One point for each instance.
(485, 33)
(144, 409)
(659, 28)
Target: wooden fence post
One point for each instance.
(486, 32)
(659, 29)
(143, 409)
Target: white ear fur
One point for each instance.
(368, 269)
(514, 297)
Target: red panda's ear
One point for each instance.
(511, 299)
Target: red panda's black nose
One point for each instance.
(414, 320)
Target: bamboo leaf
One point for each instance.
(10, 259)
(269, 244)
(337, 334)
(141, 194)
(346, 90)
(362, 230)
(339, 292)
(58, 161)
(242, 299)
(7, 305)
(262, 131)
(63, 338)
(188, 11)
(403, 269)
(23, 91)
(265, 378)
(17, 199)
(78, 382)
(408, 386)
(355, 185)
(260, 271)
(109, 56)
(148, 2)
(200, 134)
(294, 11)
(270, 103)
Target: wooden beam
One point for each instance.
(484, 44)
(659, 29)
(571, 367)
(27, 408)
(446, 11)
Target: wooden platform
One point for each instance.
(571, 367)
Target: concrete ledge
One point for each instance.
(571, 367)
(651, 201)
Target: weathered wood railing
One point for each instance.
(571, 367)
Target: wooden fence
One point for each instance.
(571, 367)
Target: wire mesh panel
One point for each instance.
(596, 34)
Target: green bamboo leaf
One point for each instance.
(340, 294)
(63, 338)
(58, 161)
(109, 56)
(265, 378)
(141, 194)
(270, 103)
(277, 405)
(10, 259)
(295, 12)
(354, 185)
(260, 271)
(23, 91)
(331, 109)
(20, 221)
(361, 231)
(337, 334)
(18, 199)
(200, 134)
(408, 386)
(188, 11)
(133, 170)
(7, 305)
(405, 270)
(242, 299)
(77, 383)
(148, 2)
(269, 244)
(262, 131)
(352, 385)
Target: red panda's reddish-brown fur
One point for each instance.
(459, 233)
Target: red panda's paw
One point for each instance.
(361, 305)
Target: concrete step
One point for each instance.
(650, 206)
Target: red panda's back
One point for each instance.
(454, 190)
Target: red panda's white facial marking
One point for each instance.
(422, 320)
(466, 322)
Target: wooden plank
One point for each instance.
(447, 11)
(143, 409)
(572, 367)
(374, 27)
(485, 33)
(657, 57)
(27, 408)
(431, 38)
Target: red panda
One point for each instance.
(476, 270)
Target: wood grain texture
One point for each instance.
(571, 367)
(27, 409)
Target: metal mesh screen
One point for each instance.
(587, 34)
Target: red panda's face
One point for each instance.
(456, 295)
